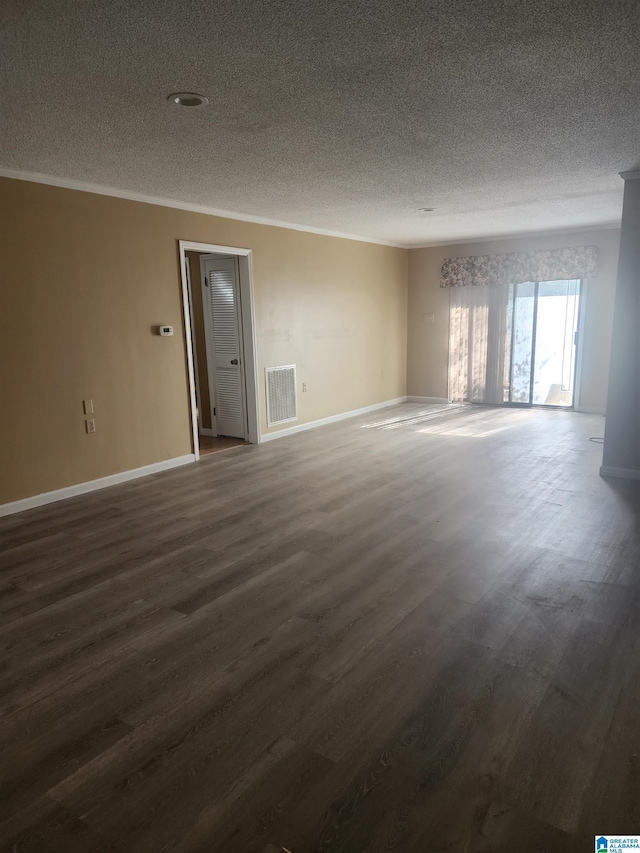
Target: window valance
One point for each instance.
(516, 267)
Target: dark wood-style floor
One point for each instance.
(413, 631)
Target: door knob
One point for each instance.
(234, 361)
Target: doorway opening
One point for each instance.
(219, 331)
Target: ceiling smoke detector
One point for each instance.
(188, 99)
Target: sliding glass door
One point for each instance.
(514, 345)
(542, 331)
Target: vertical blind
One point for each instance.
(478, 343)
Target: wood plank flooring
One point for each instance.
(415, 630)
(216, 443)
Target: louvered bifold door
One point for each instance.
(223, 328)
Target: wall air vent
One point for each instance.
(282, 404)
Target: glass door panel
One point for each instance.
(543, 329)
(522, 341)
(555, 342)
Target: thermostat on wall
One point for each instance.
(165, 331)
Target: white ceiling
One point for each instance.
(507, 116)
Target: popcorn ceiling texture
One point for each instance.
(505, 115)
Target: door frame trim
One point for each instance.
(192, 328)
(582, 317)
(248, 333)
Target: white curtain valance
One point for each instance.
(515, 267)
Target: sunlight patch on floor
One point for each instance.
(417, 417)
(479, 425)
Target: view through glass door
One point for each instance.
(542, 331)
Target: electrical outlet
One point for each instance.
(90, 425)
(429, 318)
(304, 387)
(88, 407)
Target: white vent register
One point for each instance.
(282, 404)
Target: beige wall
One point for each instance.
(86, 277)
(428, 343)
(200, 343)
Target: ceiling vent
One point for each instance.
(282, 404)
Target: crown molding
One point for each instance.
(524, 235)
(116, 192)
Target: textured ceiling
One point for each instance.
(505, 115)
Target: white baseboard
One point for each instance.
(586, 410)
(207, 431)
(624, 473)
(427, 400)
(93, 485)
(283, 433)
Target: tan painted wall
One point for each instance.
(86, 277)
(204, 400)
(428, 343)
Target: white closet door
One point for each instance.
(223, 329)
